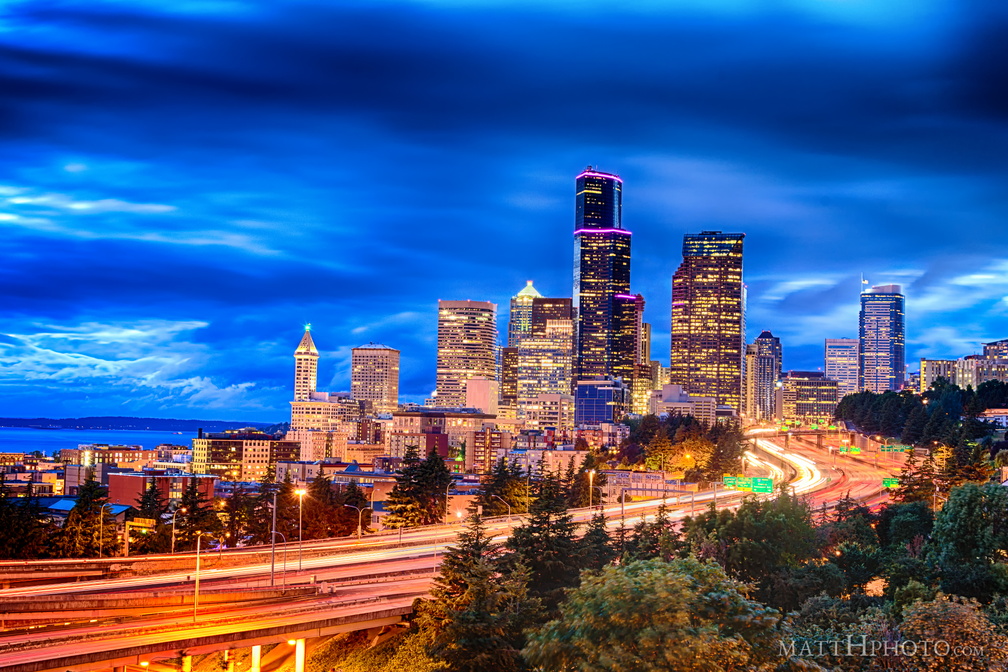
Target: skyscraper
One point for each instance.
(602, 296)
(520, 318)
(467, 340)
(882, 339)
(305, 367)
(374, 376)
(762, 371)
(842, 357)
(545, 355)
(708, 317)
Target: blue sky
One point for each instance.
(183, 185)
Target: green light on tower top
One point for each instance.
(307, 326)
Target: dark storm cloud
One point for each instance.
(228, 171)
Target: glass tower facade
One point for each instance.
(882, 339)
(601, 277)
(467, 348)
(708, 318)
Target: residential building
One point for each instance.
(708, 317)
(933, 369)
(241, 455)
(374, 376)
(996, 349)
(842, 364)
(674, 400)
(809, 397)
(467, 342)
(882, 339)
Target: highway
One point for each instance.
(339, 578)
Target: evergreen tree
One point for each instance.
(546, 546)
(260, 520)
(913, 430)
(237, 511)
(89, 529)
(477, 616)
(151, 505)
(596, 548)
(916, 483)
(505, 483)
(200, 517)
(404, 503)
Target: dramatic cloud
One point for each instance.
(193, 181)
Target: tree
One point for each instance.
(970, 540)
(89, 529)
(546, 546)
(652, 616)
(420, 492)
(973, 643)
(477, 615)
(505, 483)
(595, 548)
(200, 517)
(25, 529)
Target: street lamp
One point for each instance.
(101, 528)
(183, 510)
(505, 504)
(591, 480)
(360, 514)
(300, 493)
(450, 484)
(195, 604)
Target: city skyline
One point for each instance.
(175, 205)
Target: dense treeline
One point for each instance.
(945, 414)
(758, 589)
(28, 532)
(682, 443)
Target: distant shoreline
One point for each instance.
(124, 423)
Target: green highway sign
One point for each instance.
(890, 482)
(762, 485)
(728, 481)
(744, 483)
(831, 427)
(843, 449)
(855, 450)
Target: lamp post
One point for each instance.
(101, 528)
(591, 480)
(300, 493)
(505, 504)
(600, 494)
(195, 604)
(273, 534)
(450, 484)
(183, 510)
(360, 513)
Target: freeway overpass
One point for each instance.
(143, 612)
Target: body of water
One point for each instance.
(50, 441)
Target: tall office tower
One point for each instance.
(882, 339)
(842, 357)
(546, 353)
(305, 367)
(762, 371)
(708, 317)
(545, 361)
(467, 339)
(520, 319)
(374, 376)
(509, 376)
(602, 296)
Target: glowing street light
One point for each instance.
(183, 510)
